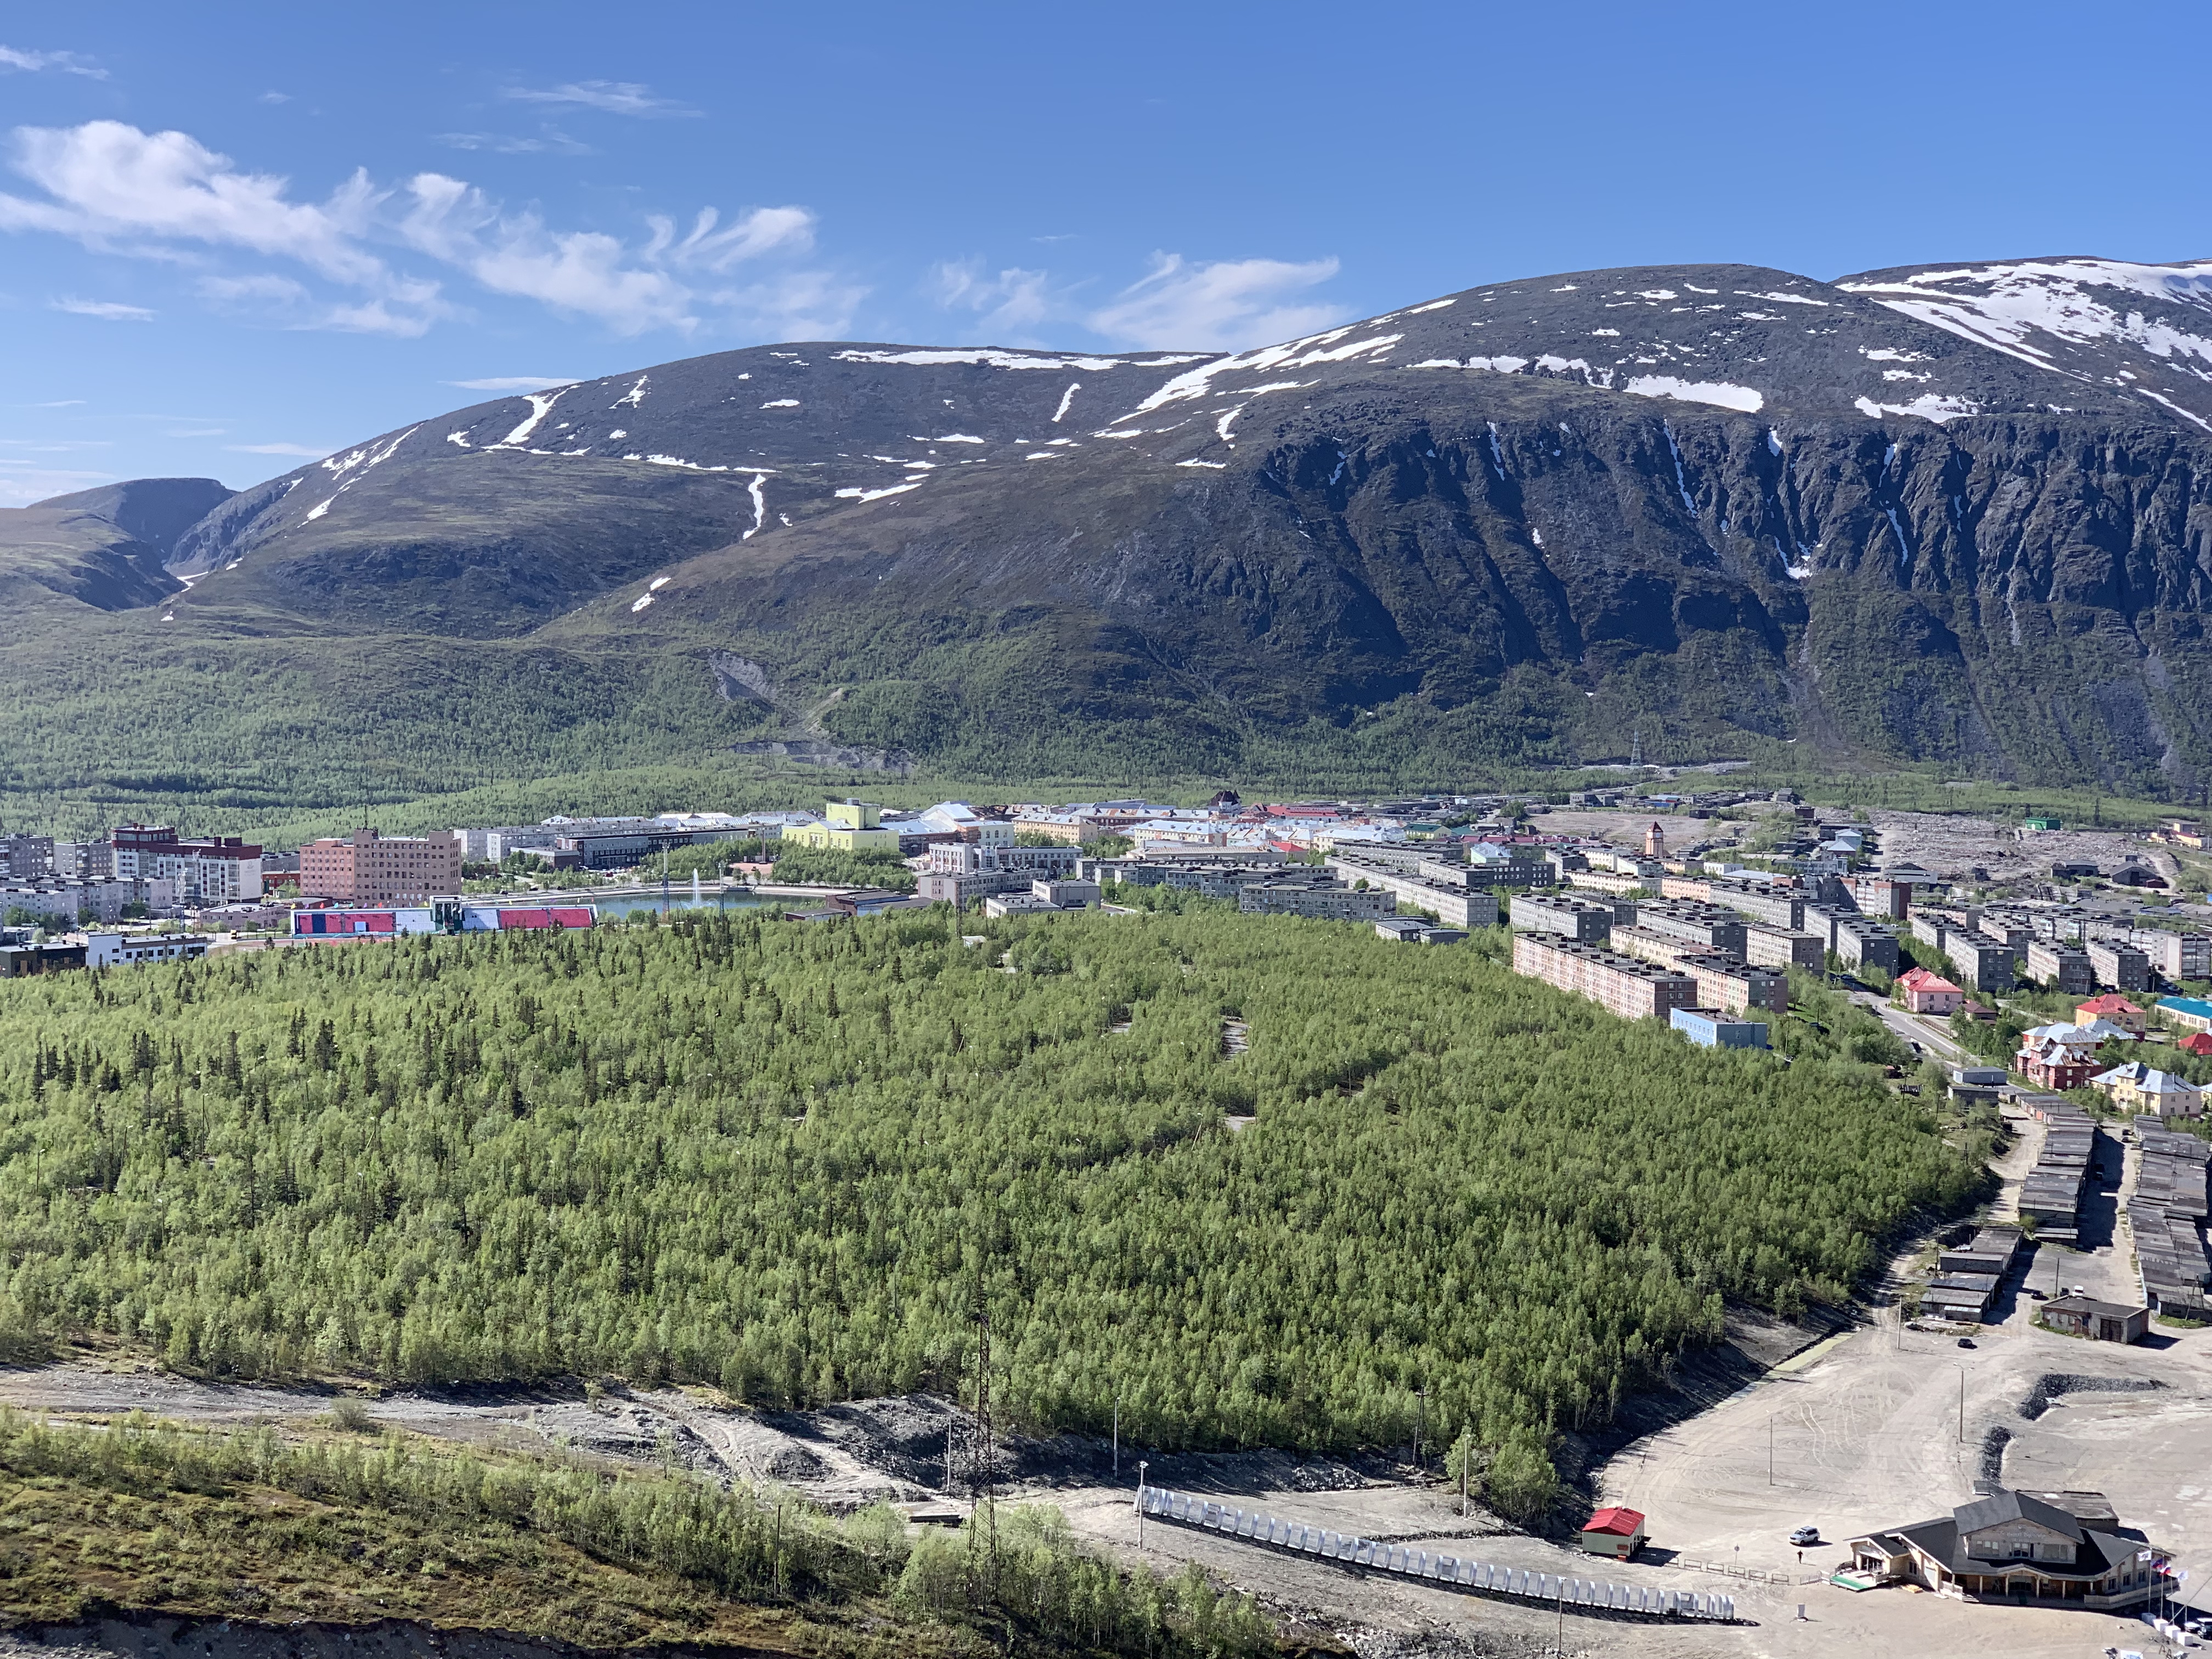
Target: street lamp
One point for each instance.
(1140, 1505)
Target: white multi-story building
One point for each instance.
(215, 869)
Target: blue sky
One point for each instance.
(234, 237)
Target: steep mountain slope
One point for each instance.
(1731, 506)
(104, 548)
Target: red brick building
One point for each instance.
(367, 868)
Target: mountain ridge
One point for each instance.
(1940, 513)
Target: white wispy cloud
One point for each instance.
(610, 97)
(275, 97)
(1227, 306)
(116, 189)
(549, 141)
(308, 451)
(198, 432)
(513, 382)
(40, 483)
(1009, 304)
(112, 187)
(108, 310)
(68, 62)
(799, 304)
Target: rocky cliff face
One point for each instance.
(1954, 515)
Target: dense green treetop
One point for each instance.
(796, 1159)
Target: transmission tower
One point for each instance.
(1636, 747)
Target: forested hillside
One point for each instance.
(795, 1161)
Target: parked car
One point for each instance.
(1805, 1536)
(1965, 1341)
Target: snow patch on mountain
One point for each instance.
(1720, 393)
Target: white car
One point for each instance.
(1805, 1535)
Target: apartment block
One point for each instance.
(1620, 985)
(1325, 899)
(2120, 966)
(1735, 986)
(1771, 906)
(213, 869)
(1460, 907)
(2058, 967)
(1987, 965)
(1706, 925)
(2177, 956)
(1782, 947)
(1867, 945)
(368, 868)
(1588, 923)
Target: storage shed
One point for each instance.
(2101, 1322)
(1615, 1532)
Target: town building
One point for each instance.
(1930, 994)
(1610, 881)
(2058, 1548)
(1778, 908)
(1858, 941)
(1319, 898)
(2121, 966)
(2115, 1008)
(847, 826)
(1466, 907)
(26, 857)
(1535, 913)
(1621, 984)
(2052, 965)
(1880, 896)
(215, 869)
(2176, 957)
(1709, 927)
(143, 950)
(2050, 1060)
(1985, 964)
(2198, 1043)
(2139, 1086)
(23, 961)
(1413, 930)
(1711, 1027)
(369, 868)
(1784, 948)
(1043, 896)
(2190, 1013)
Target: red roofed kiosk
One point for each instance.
(1615, 1532)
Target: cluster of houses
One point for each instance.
(2076, 1055)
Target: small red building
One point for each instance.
(1926, 993)
(1615, 1531)
(2196, 1042)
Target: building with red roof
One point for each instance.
(2116, 1008)
(1614, 1531)
(2196, 1042)
(1927, 994)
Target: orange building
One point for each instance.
(367, 868)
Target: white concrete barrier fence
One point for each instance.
(1451, 1572)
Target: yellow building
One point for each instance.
(850, 826)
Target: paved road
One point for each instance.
(1932, 1035)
